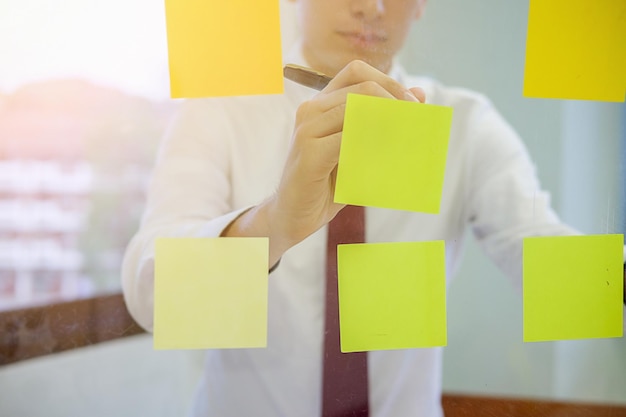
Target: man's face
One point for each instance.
(335, 32)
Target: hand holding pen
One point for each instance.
(303, 201)
(306, 191)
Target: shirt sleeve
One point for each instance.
(506, 203)
(189, 195)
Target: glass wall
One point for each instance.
(83, 106)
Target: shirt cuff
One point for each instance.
(215, 227)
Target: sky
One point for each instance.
(118, 43)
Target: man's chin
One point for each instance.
(374, 61)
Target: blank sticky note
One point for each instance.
(573, 287)
(576, 49)
(210, 293)
(224, 48)
(393, 154)
(391, 295)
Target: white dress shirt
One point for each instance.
(224, 155)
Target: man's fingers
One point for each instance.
(357, 72)
(334, 98)
(323, 115)
(326, 112)
(419, 94)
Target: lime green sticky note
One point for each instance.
(573, 287)
(576, 49)
(393, 154)
(223, 48)
(210, 293)
(391, 295)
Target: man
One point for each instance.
(265, 166)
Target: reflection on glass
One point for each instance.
(75, 160)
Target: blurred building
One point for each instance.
(75, 160)
(43, 209)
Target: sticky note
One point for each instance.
(576, 49)
(573, 287)
(223, 48)
(210, 293)
(391, 295)
(393, 154)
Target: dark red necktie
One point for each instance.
(344, 392)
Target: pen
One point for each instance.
(306, 76)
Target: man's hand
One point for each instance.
(303, 202)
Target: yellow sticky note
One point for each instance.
(210, 293)
(573, 287)
(391, 295)
(224, 48)
(393, 154)
(576, 49)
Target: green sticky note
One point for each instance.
(391, 295)
(564, 61)
(210, 293)
(573, 287)
(393, 154)
(224, 48)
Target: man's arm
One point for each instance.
(303, 202)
